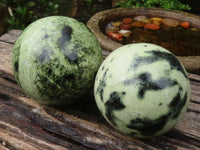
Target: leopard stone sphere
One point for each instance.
(142, 89)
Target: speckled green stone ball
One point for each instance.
(142, 89)
(55, 60)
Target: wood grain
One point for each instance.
(25, 124)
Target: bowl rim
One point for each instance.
(191, 63)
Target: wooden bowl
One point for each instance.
(99, 20)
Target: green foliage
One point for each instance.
(89, 2)
(166, 4)
(89, 8)
(22, 16)
(24, 12)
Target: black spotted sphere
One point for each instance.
(142, 89)
(55, 60)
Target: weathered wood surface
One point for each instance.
(28, 125)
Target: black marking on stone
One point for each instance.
(149, 84)
(160, 55)
(146, 83)
(66, 37)
(102, 68)
(44, 55)
(46, 36)
(16, 66)
(148, 127)
(177, 104)
(49, 71)
(145, 45)
(114, 103)
(102, 85)
(73, 57)
(175, 100)
(173, 61)
(143, 61)
(160, 104)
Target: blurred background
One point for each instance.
(17, 14)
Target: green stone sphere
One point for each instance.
(55, 60)
(142, 89)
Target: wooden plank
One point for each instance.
(11, 36)
(20, 113)
(6, 60)
(26, 124)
